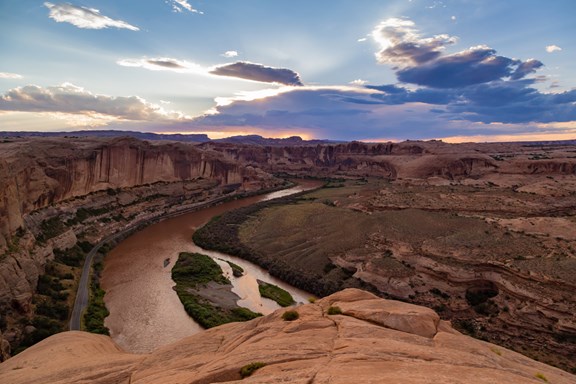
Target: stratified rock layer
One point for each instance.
(372, 341)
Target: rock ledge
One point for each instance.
(372, 341)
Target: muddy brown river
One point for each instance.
(145, 312)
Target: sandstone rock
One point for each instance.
(316, 348)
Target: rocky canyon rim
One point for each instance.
(145, 312)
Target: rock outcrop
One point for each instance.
(372, 341)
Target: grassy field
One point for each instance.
(312, 271)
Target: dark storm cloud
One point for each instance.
(421, 61)
(514, 102)
(526, 68)
(258, 72)
(477, 65)
(474, 66)
(493, 102)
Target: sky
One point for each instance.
(369, 70)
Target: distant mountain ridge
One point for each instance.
(192, 137)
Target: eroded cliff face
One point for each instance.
(36, 173)
(399, 160)
(52, 190)
(372, 340)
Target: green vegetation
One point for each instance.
(51, 305)
(273, 292)
(96, 311)
(334, 311)
(237, 270)
(45, 327)
(51, 228)
(196, 269)
(192, 272)
(249, 369)
(73, 257)
(496, 351)
(290, 315)
(541, 377)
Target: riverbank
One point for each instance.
(321, 278)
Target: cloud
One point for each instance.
(180, 5)
(553, 48)
(258, 72)
(342, 112)
(525, 68)
(7, 75)
(229, 54)
(473, 66)
(241, 69)
(82, 17)
(358, 82)
(70, 99)
(167, 63)
(401, 44)
(463, 94)
(163, 64)
(422, 61)
(392, 111)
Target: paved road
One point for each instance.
(83, 293)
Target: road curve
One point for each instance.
(82, 294)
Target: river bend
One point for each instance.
(145, 312)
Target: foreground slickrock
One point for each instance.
(372, 341)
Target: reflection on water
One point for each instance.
(145, 312)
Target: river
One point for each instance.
(145, 312)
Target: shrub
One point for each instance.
(96, 311)
(312, 299)
(249, 369)
(334, 311)
(541, 377)
(237, 270)
(273, 292)
(72, 257)
(290, 315)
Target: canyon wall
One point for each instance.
(39, 172)
(53, 190)
(100, 186)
